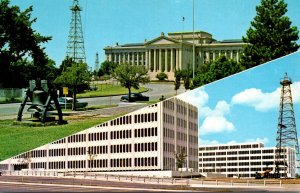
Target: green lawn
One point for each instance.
(108, 90)
(15, 139)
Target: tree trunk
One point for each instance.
(129, 94)
(74, 99)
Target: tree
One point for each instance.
(107, 68)
(18, 41)
(131, 76)
(177, 80)
(216, 70)
(73, 77)
(180, 159)
(270, 35)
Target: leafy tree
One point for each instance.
(270, 35)
(177, 80)
(216, 70)
(186, 76)
(180, 159)
(67, 62)
(131, 76)
(107, 68)
(162, 76)
(73, 77)
(18, 41)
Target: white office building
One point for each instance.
(142, 140)
(244, 160)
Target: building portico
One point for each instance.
(173, 52)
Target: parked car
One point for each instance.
(68, 101)
(135, 97)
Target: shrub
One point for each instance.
(162, 76)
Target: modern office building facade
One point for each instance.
(142, 140)
(174, 52)
(244, 160)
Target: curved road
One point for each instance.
(10, 111)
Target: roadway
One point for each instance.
(9, 111)
(48, 184)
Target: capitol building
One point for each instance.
(174, 51)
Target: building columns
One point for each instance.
(160, 60)
(166, 60)
(154, 60)
(171, 60)
(147, 59)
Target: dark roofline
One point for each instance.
(132, 45)
(188, 32)
(232, 41)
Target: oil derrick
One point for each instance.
(97, 62)
(286, 130)
(75, 47)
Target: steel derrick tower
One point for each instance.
(75, 46)
(286, 130)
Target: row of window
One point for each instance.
(77, 138)
(181, 109)
(168, 118)
(181, 136)
(98, 150)
(145, 132)
(98, 136)
(193, 126)
(38, 153)
(236, 152)
(141, 147)
(241, 158)
(99, 163)
(57, 152)
(121, 120)
(76, 164)
(181, 123)
(228, 147)
(122, 162)
(57, 165)
(145, 161)
(103, 124)
(144, 118)
(169, 163)
(122, 148)
(76, 151)
(169, 147)
(169, 133)
(38, 165)
(169, 104)
(193, 151)
(59, 141)
(121, 134)
(193, 114)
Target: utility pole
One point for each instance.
(75, 46)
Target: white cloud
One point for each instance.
(215, 124)
(264, 140)
(256, 98)
(197, 97)
(296, 92)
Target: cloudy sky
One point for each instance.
(245, 107)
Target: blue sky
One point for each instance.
(245, 107)
(106, 22)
